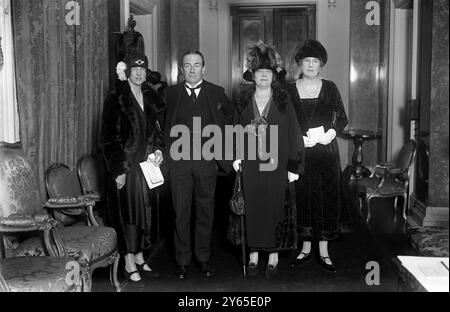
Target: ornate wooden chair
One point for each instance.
(389, 180)
(92, 246)
(22, 217)
(91, 173)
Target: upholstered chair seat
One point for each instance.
(369, 185)
(84, 244)
(37, 274)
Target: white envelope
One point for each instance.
(152, 174)
(316, 133)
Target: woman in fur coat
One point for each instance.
(131, 135)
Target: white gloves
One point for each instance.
(156, 158)
(292, 177)
(121, 180)
(327, 137)
(237, 164)
(308, 142)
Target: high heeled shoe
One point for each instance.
(271, 270)
(143, 271)
(252, 269)
(328, 267)
(129, 274)
(299, 262)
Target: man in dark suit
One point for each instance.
(193, 179)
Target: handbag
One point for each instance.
(237, 203)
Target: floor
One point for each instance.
(379, 241)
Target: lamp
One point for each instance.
(331, 4)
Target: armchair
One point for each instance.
(91, 173)
(22, 216)
(389, 180)
(92, 246)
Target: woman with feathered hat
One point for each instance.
(131, 135)
(267, 114)
(321, 114)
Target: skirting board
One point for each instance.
(422, 215)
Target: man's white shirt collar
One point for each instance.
(197, 91)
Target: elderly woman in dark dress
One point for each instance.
(131, 135)
(320, 195)
(262, 108)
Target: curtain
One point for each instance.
(9, 120)
(61, 73)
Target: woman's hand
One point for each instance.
(237, 165)
(292, 177)
(156, 158)
(328, 137)
(121, 180)
(308, 142)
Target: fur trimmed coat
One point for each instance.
(270, 209)
(124, 147)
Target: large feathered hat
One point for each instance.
(312, 48)
(263, 56)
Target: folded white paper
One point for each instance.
(316, 133)
(152, 174)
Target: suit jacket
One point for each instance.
(221, 110)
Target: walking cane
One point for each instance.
(244, 264)
(242, 220)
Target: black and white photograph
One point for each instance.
(224, 154)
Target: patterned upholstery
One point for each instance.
(18, 189)
(36, 274)
(84, 244)
(430, 241)
(92, 246)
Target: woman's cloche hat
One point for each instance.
(132, 60)
(312, 48)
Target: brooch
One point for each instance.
(257, 127)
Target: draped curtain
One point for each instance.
(61, 74)
(9, 121)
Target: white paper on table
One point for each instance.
(429, 271)
(316, 133)
(152, 174)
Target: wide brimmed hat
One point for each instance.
(312, 48)
(263, 56)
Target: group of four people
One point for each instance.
(132, 134)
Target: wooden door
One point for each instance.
(284, 27)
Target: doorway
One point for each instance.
(284, 27)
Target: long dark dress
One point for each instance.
(321, 201)
(264, 191)
(129, 135)
(135, 195)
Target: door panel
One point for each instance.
(291, 28)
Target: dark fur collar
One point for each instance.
(280, 98)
